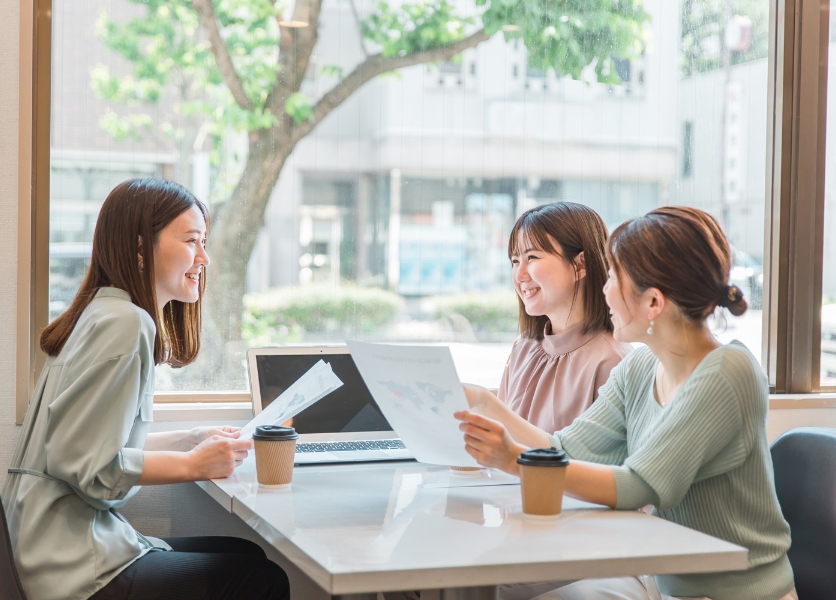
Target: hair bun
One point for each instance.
(732, 299)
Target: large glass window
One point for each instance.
(828, 311)
(352, 205)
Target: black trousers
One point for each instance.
(200, 568)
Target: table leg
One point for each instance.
(486, 592)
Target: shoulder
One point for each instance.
(111, 327)
(524, 348)
(610, 350)
(734, 364)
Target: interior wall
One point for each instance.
(9, 75)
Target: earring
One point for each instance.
(650, 329)
(141, 264)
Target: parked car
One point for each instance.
(747, 274)
(828, 342)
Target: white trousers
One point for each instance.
(619, 588)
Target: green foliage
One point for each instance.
(487, 314)
(703, 27)
(409, 28)
(171, 58)
(569, 35)
(287, 314)
(298, 106)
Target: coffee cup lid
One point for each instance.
(543, 457)
(274, 433)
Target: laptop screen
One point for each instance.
(350, 408)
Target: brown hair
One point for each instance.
(137, 209)
(682, 252)
(576, 228)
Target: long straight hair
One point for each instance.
(575, 228)
(129, 225)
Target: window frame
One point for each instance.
(794, 202)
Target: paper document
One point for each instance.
(418, 390)
(314, 385)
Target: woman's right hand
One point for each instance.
(217, 456)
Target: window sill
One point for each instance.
(167, 412)
(229, 407)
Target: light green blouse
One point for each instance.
(80, 455)
(702, 462)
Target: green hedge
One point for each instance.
(488, 313)
(286, 314)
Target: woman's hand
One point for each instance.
(218, 455)
(197, 435)
(488, 442)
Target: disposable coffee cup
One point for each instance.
(466, 471)
(542, 475)
(275, 447)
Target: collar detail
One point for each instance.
(558, 344)
(112, 292)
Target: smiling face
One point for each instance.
(546, 283)
(179, 258)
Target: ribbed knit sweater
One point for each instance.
(702, 462)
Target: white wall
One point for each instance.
(9, 66)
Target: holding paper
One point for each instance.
(314, 385)
(418, 390)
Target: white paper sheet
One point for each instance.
(314, 385)
(418, 390)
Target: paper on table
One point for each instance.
(314, 385)
(418, 390)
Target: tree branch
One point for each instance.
(206, 10)
(377, 65)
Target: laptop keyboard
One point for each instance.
(350, 446)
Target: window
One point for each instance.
(389, 217)
(828, 310)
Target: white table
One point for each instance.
(361, 529)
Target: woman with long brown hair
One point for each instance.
(566, 349)
(85, 449)
(680, 424)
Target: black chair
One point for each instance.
(805, 479)
(10, 588)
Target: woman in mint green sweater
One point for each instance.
(681, 422)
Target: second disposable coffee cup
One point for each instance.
(542, 475)
(275, 448)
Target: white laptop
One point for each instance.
(346, 426)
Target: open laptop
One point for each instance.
(345, 426)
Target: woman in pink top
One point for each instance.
(566, 350)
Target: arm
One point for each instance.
(185, 440)
(216, 457)
(489, 442)
(483, 402)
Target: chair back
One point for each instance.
(10, 588)
(805, 480)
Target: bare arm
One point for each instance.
(491, 444)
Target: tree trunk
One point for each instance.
(235, 227)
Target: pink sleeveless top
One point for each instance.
(549, 383)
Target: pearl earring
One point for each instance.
(650, 329)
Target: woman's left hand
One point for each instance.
(199, 434)
(488, 442)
